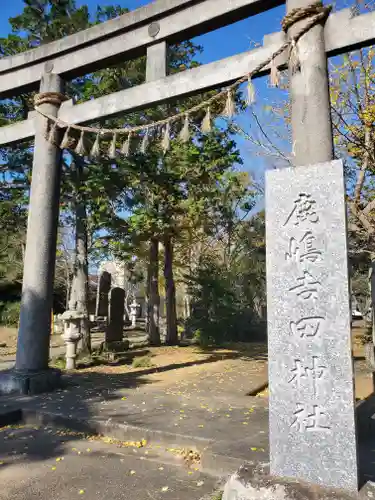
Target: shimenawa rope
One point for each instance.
(316, 13)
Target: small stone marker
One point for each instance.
(102, 296)
(115, 328)
(312, 412)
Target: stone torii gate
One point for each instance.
(149, 30)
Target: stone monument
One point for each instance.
(312, 412)
(115, 328)
(104, 287)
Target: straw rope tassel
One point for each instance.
(206, 126)
(185, 132)
(52, 135)
(65, 143)
(80, 148)
(112, 148)
(125, 150)
(166, 144)
(250, 91)
(145, 142)
(294, 61)
(274, 76)
(230, 107)
(95, 150)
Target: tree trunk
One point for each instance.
(170, 292)
(372, 292)
(153, 305)
(79, 296)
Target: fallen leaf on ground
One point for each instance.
(164, 488)
(132, 472)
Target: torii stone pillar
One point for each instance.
(31, 371)
(309, 94)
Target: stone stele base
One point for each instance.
(245, 485)
(12, 381)
(116, 346)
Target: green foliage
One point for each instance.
(220, 312)
(227, 300)
(142, 362)
(9, 313)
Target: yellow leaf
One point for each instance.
(161, 468)
(165, 488)
(81, 492)
(132, 472)
(88, 449)
(124, 398)
(253, 449)
(53, 468)
(201, 425)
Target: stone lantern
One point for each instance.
(134, 311)
(72, 334)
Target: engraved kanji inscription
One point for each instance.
(303, 249)
(308, 326)
(304, 210)
(307, 286)
(310, 418)
(307, 376)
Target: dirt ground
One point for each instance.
(8, 336)
(187, 368)
(197, 363)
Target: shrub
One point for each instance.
(142, 362)
(222, 307)
(10, 313)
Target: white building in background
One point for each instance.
(117, 270)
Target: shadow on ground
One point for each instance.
(202, 409)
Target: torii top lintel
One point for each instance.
(123, 38)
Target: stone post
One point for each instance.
(37, 290)
(309, 93)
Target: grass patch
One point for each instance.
(142, 362)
